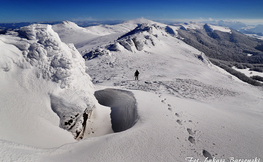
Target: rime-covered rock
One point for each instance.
(40, 51)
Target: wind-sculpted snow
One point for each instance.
(61, 64)
(41, 54)
(46, 51)
(186, 88)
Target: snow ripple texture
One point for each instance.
(186, 88)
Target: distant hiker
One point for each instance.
(136, 74)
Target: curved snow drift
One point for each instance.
(123, 107)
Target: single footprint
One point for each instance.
(207, 154)
(190, 131)
(179, 122)
(191, 139)
(163, 100)
(176, 114)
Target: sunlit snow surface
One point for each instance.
(186, 106)
(44, 86)
(220, 28)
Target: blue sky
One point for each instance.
(57, 10)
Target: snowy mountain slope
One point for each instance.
(169, 129)
(44, 86)
(226, 48)
(168, 65)
(237, 25)
(201, 26)
(187, 107)
(150, 49)
(250, 30)
(214, 42)
(90, 37)
(190, 25)
(66, 30)
(220, 28)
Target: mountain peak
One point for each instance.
(69, 24)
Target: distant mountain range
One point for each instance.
(257, 29)
(251, 30)
(224, 46)
(6, 26)
(224, 43)
(219, 43)
(239, 26)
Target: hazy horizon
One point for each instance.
(249, 12)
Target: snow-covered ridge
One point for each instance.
(69, 25)
(190, 25)
(220, 28)
(142, 37)
(201, 26)
(37, 60)
(93, 37)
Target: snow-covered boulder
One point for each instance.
(35, 58)
(128, 44)
(96, 53)
(115, 47)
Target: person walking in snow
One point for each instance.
(136, 75)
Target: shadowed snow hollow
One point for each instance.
(49, 73)
(123, 107)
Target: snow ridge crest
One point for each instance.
(145, 35)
